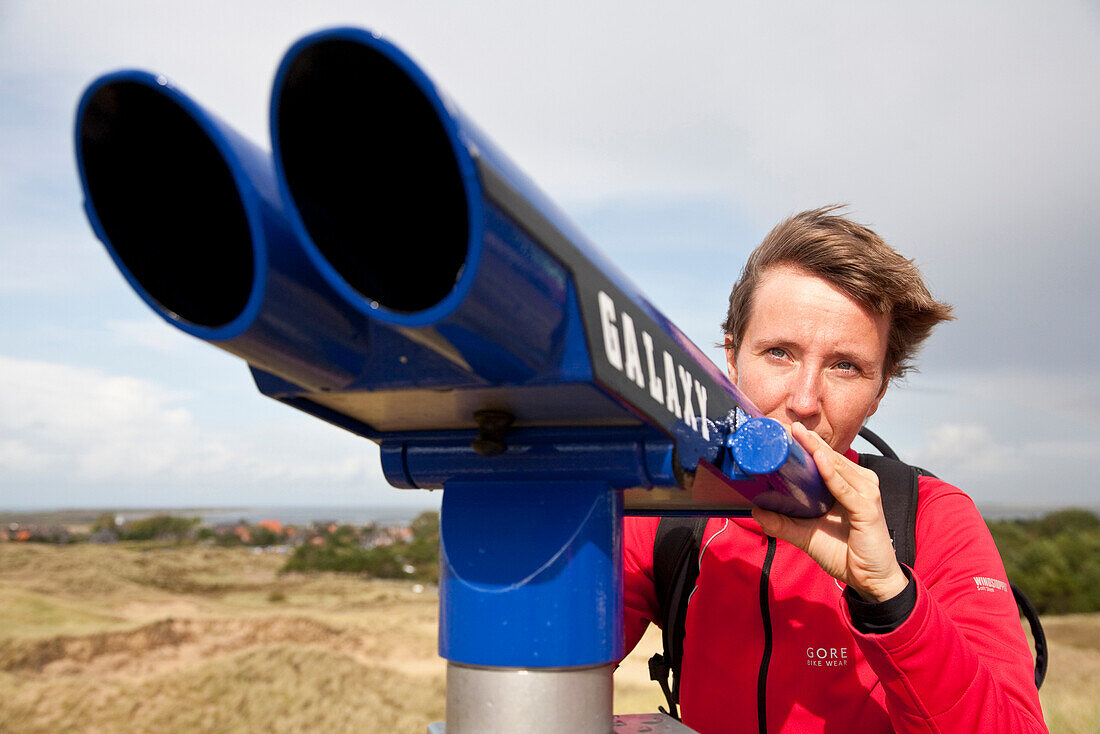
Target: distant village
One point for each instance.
(270, 535)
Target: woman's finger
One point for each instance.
(845, 479)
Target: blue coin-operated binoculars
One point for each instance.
(388, 270)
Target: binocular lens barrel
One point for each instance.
(373, 174)
(167, 202)
(386, 268)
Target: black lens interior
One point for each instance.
(372, 174)
(167, 202)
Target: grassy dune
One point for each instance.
(105, 639)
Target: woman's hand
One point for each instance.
(850, 541)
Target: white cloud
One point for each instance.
(1060, 451)
(149, 333)
(19, 456)
(1042, 396)
(967, 449)
(71, 426)
(763, 101)
(90, 426)
(1010, 464)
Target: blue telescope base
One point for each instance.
(531, 605)
(531, 574)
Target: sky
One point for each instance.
(964, 133)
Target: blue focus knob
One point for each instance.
(760, 446)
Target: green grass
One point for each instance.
(28, 614)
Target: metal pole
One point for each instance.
(544, 700)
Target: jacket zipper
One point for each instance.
(765, 613)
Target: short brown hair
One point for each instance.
(859, 263)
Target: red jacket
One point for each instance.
(959, 663)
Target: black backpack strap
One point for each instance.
(1032, 616)
(875, 440)
(675, 569)
(899, 485)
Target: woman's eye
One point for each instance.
(777, 352)
(847, 367)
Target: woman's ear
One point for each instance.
(731, 359)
